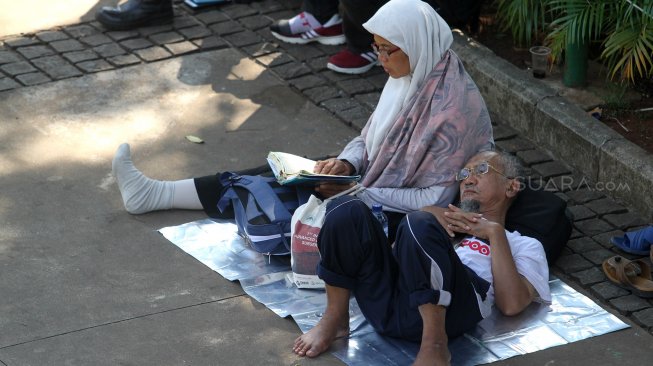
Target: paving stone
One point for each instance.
(241, 39)
(353, 86)
(644, 317)
(562, 196)
(153, 53)
(606, 290)
(358, 114)
(21, 41)
(339, 104)
(167, 37)
(565, 251)
(598, 256)
(575, 234)
(291, 70)
(225, 28)
(550, 169)
(378, 80)
(589, 276)
(583, 195)
(261, 49)
(370, 100)
(573, 263)
(337, 76)
(122, 35)
(513, 145)
(199, 31)
(56, 67)
(96, 40)
(94, 65)
(568, 182)
(359, 123)
(319, 63)
(136, 44)
(605, 206)
(604, 238)
(266, 34)
(581, 212)
(181, 47)
(281, 14)
(7, 84)
(81, 31)
(303, 52)
(307, 81)
(583, 244)
(155, 29)
(211, 17)
(7, 57)
(33, 78)
(503, 132)
(322, 93)
(210, 43)
(124, 60)
(625, 220)
(236, 11)
(109, 50)
(266, 6)
(50, 36)
(274, 59)
(530, 157)
(17, 68)
(67, 45)
(593, 227)
(629, 303)
(79, 56)
(183, 21)
(255, 22)
(31, 52)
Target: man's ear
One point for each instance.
(513, 188)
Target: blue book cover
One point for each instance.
(200, 3)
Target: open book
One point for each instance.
(292, 169)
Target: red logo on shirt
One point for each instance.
(476, 245)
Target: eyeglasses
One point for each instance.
(480, 169)
(383, 51)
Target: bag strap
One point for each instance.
(351, 191)
(259, 187)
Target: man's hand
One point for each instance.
(470, 223)
(438, 212)
(327, 190)
(333, 166)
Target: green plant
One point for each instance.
(623, 27)
(524, 18)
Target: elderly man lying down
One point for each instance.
(425, 288)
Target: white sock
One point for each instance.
(185, 195)
(303, 22)
(140, 194)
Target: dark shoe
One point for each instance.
(348, 62)
(135, 13)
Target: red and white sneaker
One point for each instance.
(304, 28)
(348, 62)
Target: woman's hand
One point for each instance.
(333, 166)
(327, 190)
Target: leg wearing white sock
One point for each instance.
(185, 195)
(140, 194)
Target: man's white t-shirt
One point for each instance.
(529, 258)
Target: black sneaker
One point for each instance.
(135, 13)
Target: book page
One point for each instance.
(292, 164)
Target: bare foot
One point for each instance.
(433, 354)
(318, 339)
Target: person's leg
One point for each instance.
(322, 10)
(433, 348)
(356, 258)
(135, 13)
(437, 289)
(358, 57)
(319, 22)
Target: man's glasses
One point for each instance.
(383, 51)
(480, 169)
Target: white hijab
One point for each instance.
(424, 36)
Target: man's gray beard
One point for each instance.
(470, 205)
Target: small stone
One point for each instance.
(122, 35)
(604, 238)
(21, 41)
(56, 67)
(181, 47)
(645, 317)
(94, 65)
(236, 11)
(242, 39)
(7, 57)
(307, 81)
(210, 43)
(80, 31)
(629, 303)
(255, 22)
(625, 220)
(572, 263)
(50, 36)
(274, 59)
(261, 49)
(211, 17)
(369, 100)
(33, 78)
(109, 50)
(583, 195)
(124, 60)
(514, 145)
(589, 276)
(155, 29)
(353, 86)
(593, 227)
(7, 84)
(195, 32)
(226, 28)
(530, 157)
(31, 52)
(320, 64)
(607, 290)
(181, 22)
(153, 53)
(67, 45)
(503, 132)
(136, 44)
(303, 52)
(550, 169)
(598, 256)
(17, 68)
(581, 212)
(378, 80)
(605, 206)
(96, 40)
(167, 37)
(322, 93)
(291, 70)
(357, 113)
(79, 56)
(582, 245)
(339, 104)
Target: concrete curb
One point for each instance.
(613, 164)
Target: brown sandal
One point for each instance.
(632, 275)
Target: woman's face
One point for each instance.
(395, 62)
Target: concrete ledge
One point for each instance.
(615, 166)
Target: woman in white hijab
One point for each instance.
(429, 120)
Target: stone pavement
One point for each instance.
(108, 292)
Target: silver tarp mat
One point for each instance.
(571, 316)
